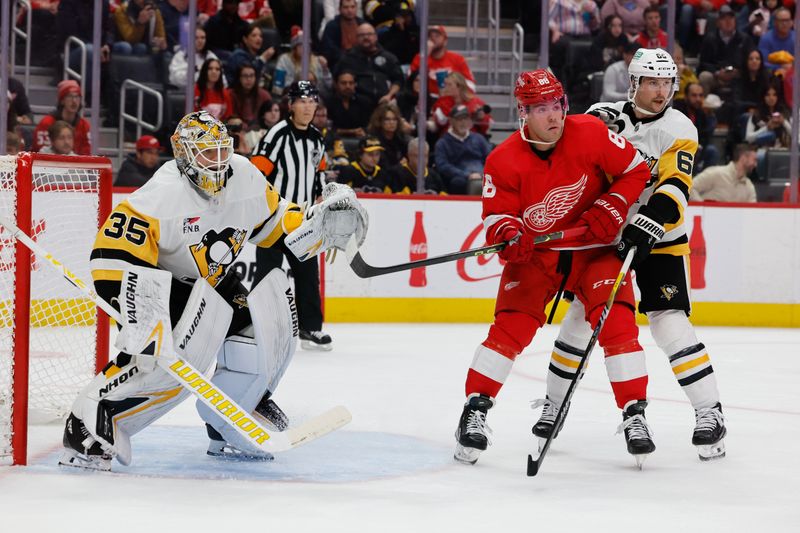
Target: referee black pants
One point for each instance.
(306, 283)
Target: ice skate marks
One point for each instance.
(342, 456)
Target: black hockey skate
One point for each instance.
(709, 432)
(81, 450)
(638, 435)
(544, 426)
(274, 415)
(315, 340)
(218, 447)
(472, 432)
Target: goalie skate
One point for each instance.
(218, 447)
(272, 414)
(709, 433)
(81, 450)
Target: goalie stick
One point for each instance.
(187, 376)
(364, 270)
(533, 466)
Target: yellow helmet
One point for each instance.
(203, 151)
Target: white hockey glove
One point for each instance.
(144, 305)
(330, 223)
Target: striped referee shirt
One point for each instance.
(292, 160)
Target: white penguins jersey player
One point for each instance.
(667, 141)
(167, 224)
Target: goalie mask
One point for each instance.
(651, 63)
(203, 151)
(534, 88)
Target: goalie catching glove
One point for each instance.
(330, 223)
(643, 231)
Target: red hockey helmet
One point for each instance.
(538, 87)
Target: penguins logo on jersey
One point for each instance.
(240, 300)
(669, 291)
(556, 204)
(652, 164)
(216, 251)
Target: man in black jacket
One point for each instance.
(722, 55)
(378, 73)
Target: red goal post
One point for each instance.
(53, 339)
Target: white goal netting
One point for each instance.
(64, 207)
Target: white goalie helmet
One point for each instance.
(203, 151)
(651, 63)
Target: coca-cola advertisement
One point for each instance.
(418, 250)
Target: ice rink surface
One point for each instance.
(391, 469)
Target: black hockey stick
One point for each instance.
(533, 466)
(365, 270)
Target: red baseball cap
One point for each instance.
(147, 142)
(438, 28)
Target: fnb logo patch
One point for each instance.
(190, 225)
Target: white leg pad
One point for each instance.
(248, 368)
(274, 312)
(241, 373)
(149, 395)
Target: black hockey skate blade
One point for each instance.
(533, 466)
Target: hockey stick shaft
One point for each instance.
(364, 270)
(194, 381)
(534, 465)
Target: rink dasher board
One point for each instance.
(752, 256)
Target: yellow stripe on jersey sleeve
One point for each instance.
(273, 198)
(127, 237)
(678, 162)
(284, 219)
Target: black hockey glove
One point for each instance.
(643, 231)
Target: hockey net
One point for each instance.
(53, 340)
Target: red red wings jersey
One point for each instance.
(550, 194)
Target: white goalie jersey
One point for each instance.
(668, 143)
(169, 225)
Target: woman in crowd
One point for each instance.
(770, 126)
(249, 51)
(608, 45)
(246, 96)
(750, 88)
(209, 91)
(179, 65)
(269, 114)
(388, 125)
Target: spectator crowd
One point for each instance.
(735, 61)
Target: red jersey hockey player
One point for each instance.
(557, 172)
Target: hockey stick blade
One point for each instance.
(535, 465)
(364, 270)
(318, 426)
